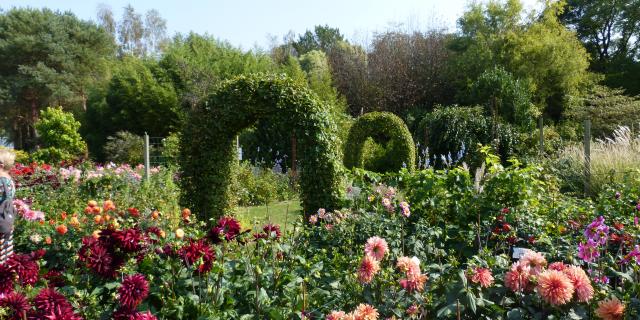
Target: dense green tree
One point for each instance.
(503, 96)
(607, 108)
(196, 64)
(46, 58)
(140, 101)
(610, 32)
(59, 136)
(539, 50)
(322, 38)
(350, 76)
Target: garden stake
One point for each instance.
(458, 309)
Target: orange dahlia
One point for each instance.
(581, 283)
(368, 268)
(365, 312)
(611, 309)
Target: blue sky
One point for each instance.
(249, 23)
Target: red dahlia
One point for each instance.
(25, 267)
(128, 240)
(134, 289)
(131, 314)
(227, 228)
(272, 230)
(52, 305)
(17, 304)
(6, 279)
(194, 251)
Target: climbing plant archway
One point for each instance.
(386, 129)
(208, 151)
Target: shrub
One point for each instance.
(171, 149)
(59, 136)
(452, 134)
(259, 186)
(125, 147)
(380, 142)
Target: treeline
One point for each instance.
(126, 74)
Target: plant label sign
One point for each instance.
(519, 252)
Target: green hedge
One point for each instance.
(208, 160)
(380, 142)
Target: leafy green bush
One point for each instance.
(380, 142)
(259, 186)
(125, 147)
(452, 135)
(171, 149)
(59, 136)
(208, 159)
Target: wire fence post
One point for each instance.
(587, 157)
(147, 162)
(541, 127)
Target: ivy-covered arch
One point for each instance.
(383, 128)
(208, 150)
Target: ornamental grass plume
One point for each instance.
(611, 309)
(483, 277)
(376, 248)
(368, 269)
(17, 305)
(365, 312)
(133, 291)
(581, 283)
(517, 279)
(554, 287)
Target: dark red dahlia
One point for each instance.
(25, 267)
(6, 279)
(155, 231)
(54, 278)
(227, 228)
(272, 230)
(17, 304)
(134, 289)
(128, 240)
(50, 304)
(124, 313)
(196, 250)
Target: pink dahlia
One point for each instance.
(365, 312)
(414, 282)
(194, 251)
(313, 219)
(129, 240)
(413, 310)
(517, 279)
(376, 248)
(408, 265)
(227, 228)
(482, 276)
(145, 316)
(17, 304)
(611, 309)
(368, 268)
(336, 315)
(535, 261)
(555, 287)
(581, 283)
(558, 266)
(134, 289)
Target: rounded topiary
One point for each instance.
(208, 151)
(379, 141)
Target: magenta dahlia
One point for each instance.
(134, 289)
(272, 230)
(17, 304)
(194, 251)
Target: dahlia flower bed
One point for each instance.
(496, 244)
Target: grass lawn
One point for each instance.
(275, 212)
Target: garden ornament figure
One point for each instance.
(7, 210)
